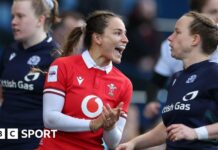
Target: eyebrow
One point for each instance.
(117, 29)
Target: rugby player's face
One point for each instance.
(114, 40)
(180, 39)
(24, 21)
(211, 9)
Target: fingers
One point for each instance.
(177, 132)
(120, 105)
(111, 115)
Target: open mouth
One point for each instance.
(120, 49)
(16, 30)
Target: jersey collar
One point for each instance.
(90, 63)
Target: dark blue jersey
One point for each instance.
(22, 88)
(193, 101)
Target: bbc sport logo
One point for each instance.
(12, 133)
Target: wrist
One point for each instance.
(202, 133)
(95, 124)
(108, 128)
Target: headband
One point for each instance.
(50, 4)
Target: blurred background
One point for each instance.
(148, 23)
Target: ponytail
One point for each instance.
(72, 45)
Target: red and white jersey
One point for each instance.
(86, 88)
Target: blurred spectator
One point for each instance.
(167, 65)
(21, 88)
(143, 48)
(139, 59)
(70, 20)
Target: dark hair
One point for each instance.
(96, 22)
(72, 41)
(206, 28)
(41, 7)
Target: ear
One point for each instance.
(97, 38)
(196, 39)
(41, 20)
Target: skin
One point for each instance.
(186, 47)
(103, 52)
(27, 27)
(210, 9)
(181, 48)
(103, 46)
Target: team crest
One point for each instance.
(111, 87)
(191, 79)
(34, 60)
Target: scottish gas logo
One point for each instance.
(14, 133)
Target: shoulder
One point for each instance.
(68, 60)
(212, 69)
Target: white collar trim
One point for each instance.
(90, 63)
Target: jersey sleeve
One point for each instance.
(126, 96)
(212, 84)
(56, 78)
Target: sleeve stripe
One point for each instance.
(124, 115)
(54, 91)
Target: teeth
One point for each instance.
(121, 47)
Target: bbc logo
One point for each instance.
(11, 133)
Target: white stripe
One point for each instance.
(124, 115)
(55, 91)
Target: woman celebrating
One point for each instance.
(85, 97)
(23, 89)
(190, 115)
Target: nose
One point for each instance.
(170, 37)
(14, 21)
(125, 39)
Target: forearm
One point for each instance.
(62, 122)
(212, 131)
(112, 137)
(54, 118)
(156, 136)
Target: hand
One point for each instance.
(151, 109)
(111, 116)
(125, 146)
(177, 132)
(96, 124)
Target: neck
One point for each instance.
(96, 55)
(194, 59)
(37, 38)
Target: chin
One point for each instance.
(19, 39)
(117, 61)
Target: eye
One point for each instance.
(118, 33)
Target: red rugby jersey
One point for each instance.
(86, 89)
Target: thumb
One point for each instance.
(120, 105)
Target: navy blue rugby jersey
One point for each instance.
(193, 101)
(23, 89)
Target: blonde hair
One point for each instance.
(206, 28)
(43, 7)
